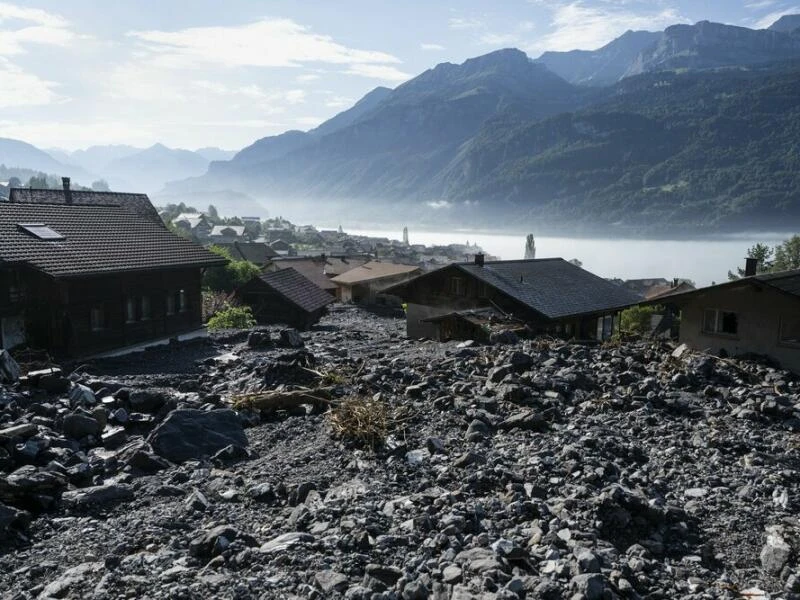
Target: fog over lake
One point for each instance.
(703, 262)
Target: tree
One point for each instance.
(213, 214)
(38, 182)
(232, 275)
(787, 255)
(101, 185)
(763, 254)
(14, 182)
(783, 257)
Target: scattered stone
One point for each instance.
(186, 434)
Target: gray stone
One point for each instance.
(290, 338)
(775, 553)
(286, 541)
(478, 431)
(79, 425)
(330, 581)
(9, 369)
(187, 433)
(589, 585)
(101, 494)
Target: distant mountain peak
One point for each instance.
(786, 24)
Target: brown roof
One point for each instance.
(96, 240)
(320, 269)
(372, 271)
(297, 289)
(136, 203)
(255, 252)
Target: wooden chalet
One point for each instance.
(83, 273)
(550, 296)
(286, 297)
(364, 284)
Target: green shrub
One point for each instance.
(234, 317)
(636, 320)
(232, 275)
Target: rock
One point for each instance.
(263, 492)
(775, 553)
(215, 541)
(330, 581)
(526, 420)
(25, 430)
(286, 541)
(101, 494)
(258, 338)
(146, 401)
(467, 459)
(189, 433)
(588, 562)
(290, 338)
(80, 395)
(590, 586)
(478, 431)
(415, 590)
(11, 517)
(9, 369)
(78, 426)
(71, 578)
(451, 574)
(382, 577)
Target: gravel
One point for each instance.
(537, 469)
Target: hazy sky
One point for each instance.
(192, 73)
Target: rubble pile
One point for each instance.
(538, 469)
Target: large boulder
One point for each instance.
(9, 369)
(187, 433)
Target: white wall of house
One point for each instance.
(759, 318)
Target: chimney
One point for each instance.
(67, 190)
(479, 259)
(750, 266)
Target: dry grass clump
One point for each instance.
(360, 419)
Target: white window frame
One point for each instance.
(97, 318)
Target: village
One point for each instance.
(344, 416)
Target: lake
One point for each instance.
(703, 262)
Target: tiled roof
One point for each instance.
(255, 252)
(786, 281)
(553, 287)
(310, 268)
(297, 289)
(97, 240)
(137, 203)
(373, 270)
(221, 230)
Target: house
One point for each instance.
(227, 233)
(257, 253)
(758, 314)
(477, 324)
(90, 272)
(283, 248)
(196, 224)
(319, 269)
(366, 283)
(551, 296)
(286, 297)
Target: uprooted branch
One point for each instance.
(283, 400)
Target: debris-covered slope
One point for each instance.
(531, 470)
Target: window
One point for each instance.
(182, 305)
(144, 308)
(457, 286)
(170, 303)
(98, 318)
(41, 231)
(720, 322)
(130, 310)
(790, 331)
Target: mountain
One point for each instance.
(707, 45)
(398, 139)
(148, 170)
(786, 24)
(698, 134)
(600, 67)
(211, 153)
(18, 154)
(97, 158)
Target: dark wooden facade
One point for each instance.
(81, 316)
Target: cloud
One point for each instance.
(264, 43)
(465, 23)
(24, 89)
(10, 12)
(768, 19)
(759, 4)
(308, 121)
(430, 47)
(575, 25)
(40, 27)
(439, 204)
(382, 72)
(499, 39)
(306, 78)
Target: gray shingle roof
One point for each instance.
(137, 203)
(299, 290)
(552, 287)
(786, 281)
(98, 239)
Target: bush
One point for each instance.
(636, 320)
(233, 317)
(232, 275)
